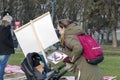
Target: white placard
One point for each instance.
(46, 31)
(37, 35)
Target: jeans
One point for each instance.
(3, 63)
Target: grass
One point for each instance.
(110, 66)
(16, 58)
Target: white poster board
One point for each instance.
(37, 35)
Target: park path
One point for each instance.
(15, 76)
(112, 53)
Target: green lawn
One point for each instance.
(110, 65)
(16, 58)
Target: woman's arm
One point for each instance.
(76, 48)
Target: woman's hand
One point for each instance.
(67, 60)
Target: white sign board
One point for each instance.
(37, 35)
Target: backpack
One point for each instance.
(91, 49)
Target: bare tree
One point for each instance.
(94, 14)
(102, 15)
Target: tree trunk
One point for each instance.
(85, 16)
(107, 37)
(114, 23)
(114, 38)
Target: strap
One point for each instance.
(72, 35)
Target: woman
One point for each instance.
(73, 48)
(6, 43)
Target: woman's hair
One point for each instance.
(64, 23)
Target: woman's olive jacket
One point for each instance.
(87, 71)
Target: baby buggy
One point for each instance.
(32, 60)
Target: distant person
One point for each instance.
(6, 43)
(78, 64)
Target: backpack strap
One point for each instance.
(72, 35)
